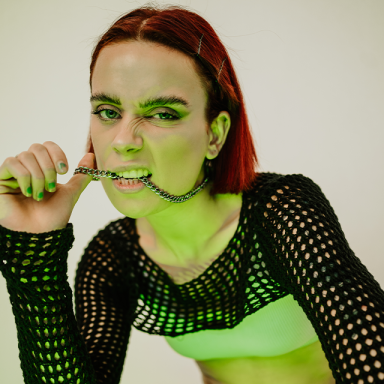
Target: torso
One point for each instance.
(310, 362)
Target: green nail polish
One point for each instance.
(40, 195)
(51, 186)
(62, 166)
(29, 190)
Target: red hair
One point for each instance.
(234, 169)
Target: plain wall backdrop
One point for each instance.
(312, 76)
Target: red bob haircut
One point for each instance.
(234, 169)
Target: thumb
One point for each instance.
(80, 181)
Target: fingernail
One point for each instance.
(51, 187)
(40, 196)
(62, 167)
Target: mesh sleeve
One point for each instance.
(104, 301)
(312, 258)
(35, 268)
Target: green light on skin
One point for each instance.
(130, 73)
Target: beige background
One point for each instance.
(312, 75)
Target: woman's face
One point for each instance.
(171, 141)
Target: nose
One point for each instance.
(128, 131)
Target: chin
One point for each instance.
(136, 208)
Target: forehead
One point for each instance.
(140, 68)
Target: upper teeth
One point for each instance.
(133, 174)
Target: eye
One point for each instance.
(108, 112)
(174, 117)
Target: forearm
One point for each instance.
(49, 341)
(51, 347)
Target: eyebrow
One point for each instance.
(150, 102)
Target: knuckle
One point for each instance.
(49, 142)
(53, 147)
(9, 160)
(39, 149)
(23, 154)
(35, 146)
(25, 157)
(50, 146)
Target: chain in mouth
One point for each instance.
(135, 178)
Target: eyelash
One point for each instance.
(97, 112)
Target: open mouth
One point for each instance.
(136, 178)
(133, 181)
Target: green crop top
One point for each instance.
(289, 242)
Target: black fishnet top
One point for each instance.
(289, 241)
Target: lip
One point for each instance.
(125, 189)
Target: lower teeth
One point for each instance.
(129, 182)
(123, 181)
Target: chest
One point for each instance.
(260, 344)
(276, 329)
(208, 253)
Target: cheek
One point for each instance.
(102, 150)
(177, 147)
(182, 148)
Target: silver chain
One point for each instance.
(96, 174)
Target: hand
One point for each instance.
(37, 168)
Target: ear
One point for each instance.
(218, 134)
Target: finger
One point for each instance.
(12, 183)
(12, 168)
(57, 156)
(33, 177)
(4, 189)
(47, 167)
(5, 174)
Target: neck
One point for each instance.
(184, 229)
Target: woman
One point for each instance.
(247, 273)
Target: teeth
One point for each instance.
(134, 174)
(129, 181)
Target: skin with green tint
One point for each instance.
(172, 149)
(172, 141)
